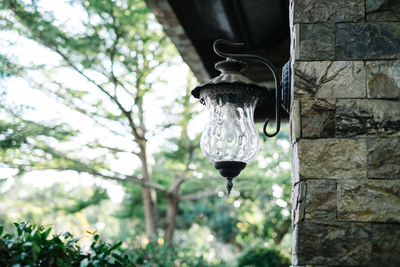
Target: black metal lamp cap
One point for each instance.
(229, 170)
(230, 80)
(231, 65)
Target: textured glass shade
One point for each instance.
(230, 139)
(230, 134)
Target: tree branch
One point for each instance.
(176, 184)
(67, 101)
(114, 149)
(199, 195)
(123, 110)
(88, 169)
(132, 179)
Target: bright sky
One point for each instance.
(46, 108)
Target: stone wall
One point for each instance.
(345, 132)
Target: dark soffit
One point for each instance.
(263, 25)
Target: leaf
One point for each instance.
(27, 244)
(46, 233)
(118, 257)
(115, 246)
(34, 231)
(84, 262)
(96, 238)
(73, 240)
(67, 235)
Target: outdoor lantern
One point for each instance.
(230, 139)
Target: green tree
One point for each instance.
(117, 54)
(122, 45)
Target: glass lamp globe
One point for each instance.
(230, 135)
(230, 139)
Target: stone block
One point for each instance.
(372, 117)
(295, 165)
(369, 200)
(311, 11)
(317, 41)
(295, 123)
(386, 245)
(383, 10)
(377, 40)
(332, 158)
(329, 79)
(295, 42)
(294, 245)
(383, 79)
(298, 202)
(321, 200)
(318, 117)
(384, 157)
(351, 117)
(336, 244)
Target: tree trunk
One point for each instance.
(282, 231)
(148, 195)
(173, 197)
(172, 211)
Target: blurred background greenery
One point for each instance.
(98, 132)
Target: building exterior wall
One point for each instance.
(345, 132)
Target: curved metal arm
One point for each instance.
(223, 54)
(272, 69)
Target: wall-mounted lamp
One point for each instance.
(230, 139)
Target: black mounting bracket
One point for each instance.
(286, 87)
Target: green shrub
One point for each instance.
(154, 255)
(263, 257)
(31, 246)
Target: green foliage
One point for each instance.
(263, 257)
(157, 255)
(33, 247)
(121, 43)
(264, 213)
(119, 46)
(8, 68)
(132, 205)
(99, 194)
(218, 214)
(14, 134)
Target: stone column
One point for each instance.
(345, 132)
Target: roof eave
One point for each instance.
(174, 30)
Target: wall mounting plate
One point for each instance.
(286, 90)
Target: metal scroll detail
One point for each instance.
(271, 67)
